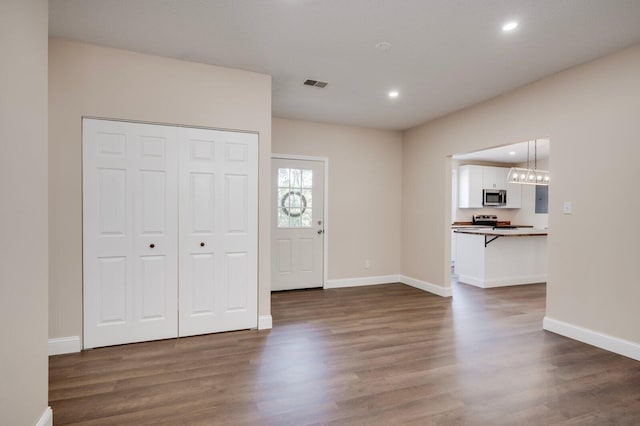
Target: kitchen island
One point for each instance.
(501, 257)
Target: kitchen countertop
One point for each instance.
(463, 225)
(501, 257)
(509, 232)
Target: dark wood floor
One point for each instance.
(387, 354)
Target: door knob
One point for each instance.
(152, 245)
(202, 244)
(320, 231)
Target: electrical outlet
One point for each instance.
(367, 264)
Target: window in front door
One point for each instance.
(294, 203)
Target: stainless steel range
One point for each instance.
(485, 219)
(489, 220)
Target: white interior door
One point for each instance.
(129, 232)
(298, 224)
(218, 231)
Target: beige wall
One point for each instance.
(88, 80)
(365, 177)
(23, 211)
(590, 114)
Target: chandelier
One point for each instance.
(528, 175)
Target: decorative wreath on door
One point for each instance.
(295, 194)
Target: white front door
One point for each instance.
(218, 231)
(298, 224)
(129, 232)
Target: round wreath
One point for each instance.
(286, 210)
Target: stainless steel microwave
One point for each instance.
(494, 197)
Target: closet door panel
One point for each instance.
(203, 269)
(198, 223)
(215, 215)
(153, 286)
(156, 233)
(153, 204)
(202, 203)
(238, 289)
(112, 201)
(112, 281)
(129, 232)
(236, 281)
(236, 199)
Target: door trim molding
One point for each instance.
(327, 231)
(265, 322)
(158, 123)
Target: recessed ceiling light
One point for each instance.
(512, 153)
(394, 94)
(383, 45)
(510, 26)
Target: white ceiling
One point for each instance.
(511, 154)
(445, 54)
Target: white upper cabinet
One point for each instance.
(472, 179)
(494, 177)
(470, 187)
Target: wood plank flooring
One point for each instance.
(377, 355)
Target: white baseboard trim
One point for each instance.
(46, 419)
(388, 279)
(426, 286)
(356, 282)
(501, 282)
(64, 345)
(603, 341)
(265, 322)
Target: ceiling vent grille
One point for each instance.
(315, 83)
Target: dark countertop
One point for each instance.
(528, 232)
(462, 225)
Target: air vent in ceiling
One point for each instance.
(315, 83)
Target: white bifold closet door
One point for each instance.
(218, 231)
(169, 231)
(130, 232)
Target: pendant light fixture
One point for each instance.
(529, 176)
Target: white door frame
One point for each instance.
(325, 161)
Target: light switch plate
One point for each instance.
(567, 208)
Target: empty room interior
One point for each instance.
(293, 212)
